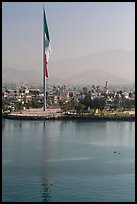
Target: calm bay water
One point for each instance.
(68, 161)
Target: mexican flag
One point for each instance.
(47, 48)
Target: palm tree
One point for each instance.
(19, 106)
(20, 91)
(79, 107)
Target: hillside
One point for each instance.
(115, 66)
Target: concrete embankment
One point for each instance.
(71, 117)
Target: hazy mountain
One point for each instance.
(12, 75)
(17, 76)
(116, 62)
(115, 66)
(97, 76)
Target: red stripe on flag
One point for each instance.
(45, 66)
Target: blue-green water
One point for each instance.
(68, 161)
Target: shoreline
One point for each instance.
(70, 117)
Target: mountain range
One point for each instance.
(115, 66)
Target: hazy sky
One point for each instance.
(75, 29)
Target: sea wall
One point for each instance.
(72, 117)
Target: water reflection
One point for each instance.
(46, 190)
(44, 124)
(3, 124)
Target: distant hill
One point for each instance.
(97, 76)
(17, 76)
(116, 62)
(13, 75)
(115, 66)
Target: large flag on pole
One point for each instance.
(47, 48)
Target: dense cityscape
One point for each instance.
(71, 100)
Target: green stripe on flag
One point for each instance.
(46, 27)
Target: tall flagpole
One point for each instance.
(44, 77)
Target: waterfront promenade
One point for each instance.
(56, 114)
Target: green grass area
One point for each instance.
(105, 112)
(118, 113)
